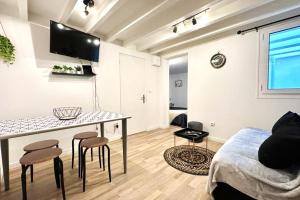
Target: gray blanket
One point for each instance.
(236, 163)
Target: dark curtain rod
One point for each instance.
(268, 24)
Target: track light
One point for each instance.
(194, 21)
(193, 17)
(86, 12)
(175, 29)
(88, 4)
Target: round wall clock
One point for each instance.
(218, 60)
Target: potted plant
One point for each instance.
(78, 69)
(7, 50)
(65, 68)
(56, 68)
(71, 70)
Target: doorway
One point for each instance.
(133, 99)
(178, 86)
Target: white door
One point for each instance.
(133, 99)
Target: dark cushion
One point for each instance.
(180, 120)
(281, 149)
(288, 120)
(279, 152)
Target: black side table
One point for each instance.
(194, 136)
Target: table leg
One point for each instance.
(206, 145)
(102, 129)
(174, 141)
(124, 140)
(5, 162)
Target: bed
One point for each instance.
(236, 173)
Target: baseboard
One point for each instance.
(164, 126)
(152, 128)
(216, 139)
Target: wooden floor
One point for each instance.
(148, 177)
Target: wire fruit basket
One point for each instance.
(67, 113)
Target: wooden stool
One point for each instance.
(41, 156)
(38, 146)
(92, 143)
(80, 137)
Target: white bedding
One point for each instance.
(236, 163)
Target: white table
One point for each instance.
(23, 127)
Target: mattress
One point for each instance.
(236, 164)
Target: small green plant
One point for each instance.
(7, 50)
(57, 67)
(65, 68)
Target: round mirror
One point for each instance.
(218, 60)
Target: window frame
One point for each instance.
(263, 71)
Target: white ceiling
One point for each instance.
(147, 24)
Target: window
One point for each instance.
(279, 70)
(284, 59)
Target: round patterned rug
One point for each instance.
(183, 158)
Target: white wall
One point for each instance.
(178, 95)
(228, 96)
(28, 89)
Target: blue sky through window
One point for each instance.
(284, 59)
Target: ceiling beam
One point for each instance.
(67, 11)
(102, 15)
(113, 36)
(180, 10)
(226, 10)
(23, 9)
(233, 27)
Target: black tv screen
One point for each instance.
(70, 42)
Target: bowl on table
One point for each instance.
(67, 113)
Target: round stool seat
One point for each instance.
(39, 156)
(85, 135)
(40, 145)
(94, 142)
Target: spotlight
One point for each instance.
(175, 29)
(91, 3)
(194, 21)
(86, 12)
(88, 4)
(96, 42)
(60, 26)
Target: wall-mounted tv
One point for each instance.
(70, 42)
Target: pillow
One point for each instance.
(279, 152)
(281, 149)
(288, 120)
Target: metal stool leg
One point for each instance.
(56, 172)
(23, 180)
(92, 154)
(103, 157)
(99, 156)
(73, 153)
(108, 157)
(31, 173)
(61, 173)
(84, 168)
(79, 158)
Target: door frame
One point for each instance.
(166, 83)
